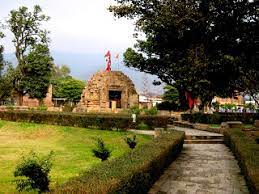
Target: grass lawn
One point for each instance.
(218, 125)
(72, 148)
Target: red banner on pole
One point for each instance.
(108, 60)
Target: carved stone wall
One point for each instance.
(95, 97)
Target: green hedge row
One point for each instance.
(246, 151)
(218, 118)
(134, 172)
(102, 121)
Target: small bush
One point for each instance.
(101, 151)
(135, 110)
(142, 126)
(36, 170)
(217, 118)
(42, 108)
(152, 111)
(132, 142)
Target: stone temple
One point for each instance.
(108, 91)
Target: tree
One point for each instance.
(60, 71)
(171, 99)
(203, 47)
(36, 72)
(6, 75)
(26, 28)
(68, 87)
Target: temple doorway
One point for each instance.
(115, 96)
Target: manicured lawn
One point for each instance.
(72, 148)
(218, 125)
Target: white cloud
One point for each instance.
(79, 26)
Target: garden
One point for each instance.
(72, 149)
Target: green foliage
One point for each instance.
(105, 121)
(42, 108)
(60, 71)
(216, 105)
(218, 118)
(250, 106)
(101, 151)
(152, 111)
(134, 172)
(36, 69)
(7, 74)
(247, 153)
(171, 94)
(36, 170)
(143, 126)
(31, 51)
(228, 106)
(135, 110)
(132, 142)
(191, 44)
(68, 87)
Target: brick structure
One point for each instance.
(108, 91)
(239, 100)
(32, 102)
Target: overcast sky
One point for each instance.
(82, 31)
(78, 26)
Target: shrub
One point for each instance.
(143, 126)
(135, 110)
(246, 151)
(42, 108)
(134, 172)
(132, 142)
(152, 111)
(101, 121)
(36, 170)
(217, 118)
(101, 151)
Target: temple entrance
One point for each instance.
(115, 96)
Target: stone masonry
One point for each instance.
(107, 89)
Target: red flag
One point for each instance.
(108, 60)
(108, 54)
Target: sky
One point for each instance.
(81, 32)
(78, 26)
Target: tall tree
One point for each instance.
(6, 75)
(203, 47)
(26, 28)
(36, 71)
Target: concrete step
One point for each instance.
(203, 137)
(204, 141)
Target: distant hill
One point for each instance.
(83, 66)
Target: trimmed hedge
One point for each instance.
(101, 121)
(246, 151)
(134, 172)
(218, 118)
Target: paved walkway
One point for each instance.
(202, 169)
(195, 132)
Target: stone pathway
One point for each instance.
(202, 169)
(195, 132)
